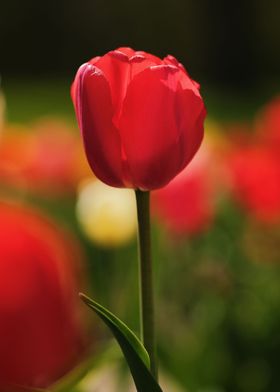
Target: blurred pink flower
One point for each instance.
(256, 181)
(187, 204)
(255, 166)
(41, 331)
(268, 124)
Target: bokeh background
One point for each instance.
(216, 228)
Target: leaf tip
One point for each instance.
(83, 297)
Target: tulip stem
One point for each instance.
(146, 278)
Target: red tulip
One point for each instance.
(192, 211)
(254, 164)
(141, 117)
(41, 335)
(268, 125)
(186, 204)
(255, 174)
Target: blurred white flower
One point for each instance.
(107, 215)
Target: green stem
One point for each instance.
(146, 278)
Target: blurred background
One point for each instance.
(216, 248)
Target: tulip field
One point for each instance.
(68, 224)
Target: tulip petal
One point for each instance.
(116, 69)
(172, 60)
(139, 55)
(74, 84)
(140, 61)
(94, 112)
(119, 68)
(191, 113)
(126, 50)
(160, 126)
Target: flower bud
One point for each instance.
(141, 117)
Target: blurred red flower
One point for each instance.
(268, 124)
(256, 181)
(141, 117)
(41, 332)
(186, 205)
(255, 166)
(46, 158)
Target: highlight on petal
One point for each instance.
(74, 86)
(141, 61)
(136, 55)
(169, 59)
(126, 50)
(80, 70)
(172, 60)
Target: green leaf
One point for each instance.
(133, 350)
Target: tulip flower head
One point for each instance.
(141, 117)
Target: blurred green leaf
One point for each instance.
(133, 350)
(69, 382)
(95, 359)
(19, 388)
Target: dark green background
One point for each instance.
(222, 42)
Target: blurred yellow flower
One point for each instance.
(110, 377)
(107, 215)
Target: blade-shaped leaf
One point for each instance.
(133, 350)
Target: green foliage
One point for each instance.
(133, 350)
